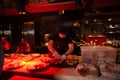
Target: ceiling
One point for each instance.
(93, 7)
(103, 10)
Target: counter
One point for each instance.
(90, 54)
(54, 73)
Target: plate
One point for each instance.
(37, 67)
(6, 61)
(27, 58)
(14, 65)
(46, 60)
(35, 55)
(15, 56)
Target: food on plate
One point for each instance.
(47, 55)
(27, 58)
(88, 70)
(37, 66)
(73, 59)
(35, 55)
(15, 56)
(70, 61)
(7, 55)
(15, 65)
(46, 60)
(6, 60)
(55, 62)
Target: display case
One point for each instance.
(96, 40)
(113, 31)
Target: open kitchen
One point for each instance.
(59, 40)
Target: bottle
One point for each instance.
(91, 43)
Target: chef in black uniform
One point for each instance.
(60, 44)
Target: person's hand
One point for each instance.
(56, 55)
(62, 58)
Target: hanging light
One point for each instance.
(109, 19)
(61, 12)
(22, 12)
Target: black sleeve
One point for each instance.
(73, 34)
(69, 39)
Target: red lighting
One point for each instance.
(98, 40)
(44, 7)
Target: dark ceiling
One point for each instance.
(96, 7)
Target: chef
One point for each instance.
(60, 44)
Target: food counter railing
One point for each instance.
(89, 54)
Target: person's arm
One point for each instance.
(70, 50)
(50, 46)
(52, 50)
